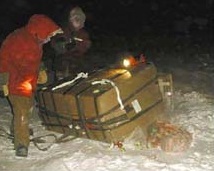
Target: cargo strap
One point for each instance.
(105, 81)
(79, 75)
(126, 99)
(40, 139)
(121, 120)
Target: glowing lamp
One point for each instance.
(130, 61)
(126, 63)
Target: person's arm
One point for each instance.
(82, 44)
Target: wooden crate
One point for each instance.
(93, 105)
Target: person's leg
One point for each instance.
(21, 109)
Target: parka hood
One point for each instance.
(42, 26)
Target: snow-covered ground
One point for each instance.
(194, 110)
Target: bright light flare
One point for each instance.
(126, 63)
(26, 86)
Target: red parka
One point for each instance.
(21, 53)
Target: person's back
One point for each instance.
(21, 53)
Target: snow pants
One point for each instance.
(21, 106)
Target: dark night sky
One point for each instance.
(118, 16)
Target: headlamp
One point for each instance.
(129, 61)
(126, 63)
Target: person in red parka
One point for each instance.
(20, 57)
(72, 45)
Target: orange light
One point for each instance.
(129, 61)
(26, 86)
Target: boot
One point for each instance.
(22, 151)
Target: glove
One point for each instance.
(4, 91)
(4, 77)
(42, 78)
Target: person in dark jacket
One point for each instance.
(20, 57)
(72, 45)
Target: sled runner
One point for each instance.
(106, 105)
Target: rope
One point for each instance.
(39, 140)
(79, 75)
(105, 81)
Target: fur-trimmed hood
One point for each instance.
(42, 27)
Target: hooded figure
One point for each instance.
(20, 57)
(72, 45)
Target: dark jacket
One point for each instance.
(70, 48)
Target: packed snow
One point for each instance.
(193, 110)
